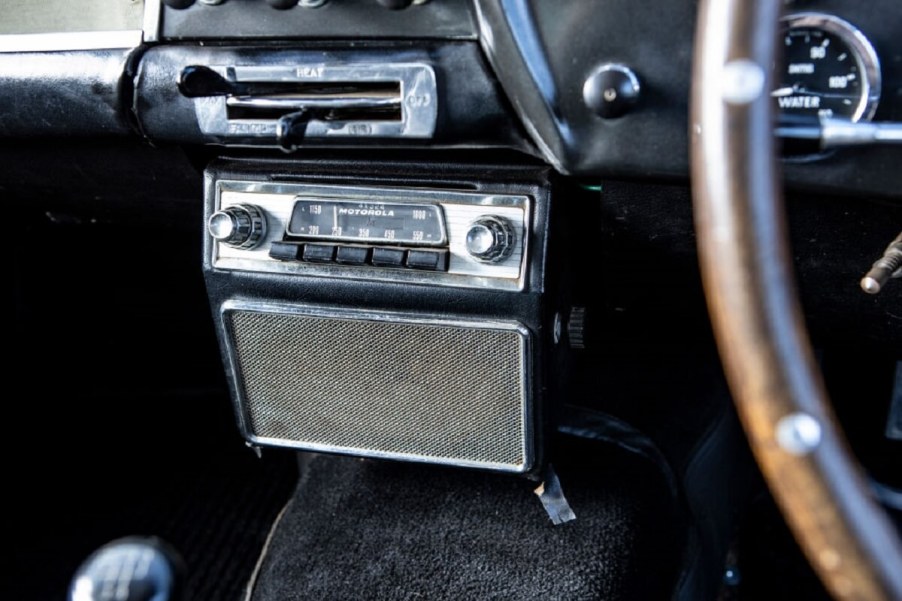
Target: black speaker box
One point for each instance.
(352, 360)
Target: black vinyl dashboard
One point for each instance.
(508, 74)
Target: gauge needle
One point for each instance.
(797, 89)
(807, 92)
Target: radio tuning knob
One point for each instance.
(240, 226)
(490, 239)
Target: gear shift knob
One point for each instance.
(129, 569)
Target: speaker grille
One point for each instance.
(442, 393)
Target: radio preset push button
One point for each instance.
(352, 255)
(319, 253)
(388, 257)
(285, 251)
(430, 260)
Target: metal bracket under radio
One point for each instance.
(265, 104)
(449, 238)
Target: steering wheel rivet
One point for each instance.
(798, 433)
(742, 81)
(829, 559)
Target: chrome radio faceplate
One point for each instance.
(450, 238)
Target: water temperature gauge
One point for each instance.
(830, 69)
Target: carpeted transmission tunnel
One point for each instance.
(365, 529)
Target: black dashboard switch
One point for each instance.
(388, 257)
(285, 251)
(319, 253)
(430, 260)
(352, 255)
(611, 91)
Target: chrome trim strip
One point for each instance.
(460, 209)
(153, 11)
(70, 40)
(305, 310)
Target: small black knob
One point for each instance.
(178, 3)
(130, 569)
(611, 91)
(395, 4)
(282, 4)
(240, 226)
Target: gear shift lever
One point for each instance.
(129, 569)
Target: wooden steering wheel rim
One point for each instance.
(743, 249)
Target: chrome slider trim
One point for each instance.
(301, 101)
(829, 132)
(839, 132)
(77, 40)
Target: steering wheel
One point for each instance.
(778, 391)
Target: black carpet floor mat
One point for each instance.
(203, 492)
(364, 529)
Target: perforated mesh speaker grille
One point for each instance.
(441, 393)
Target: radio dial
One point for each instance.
(490, 239)
(240, 226)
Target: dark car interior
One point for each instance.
(453, 299)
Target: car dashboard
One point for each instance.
(446, 232)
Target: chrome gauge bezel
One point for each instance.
(865, 56)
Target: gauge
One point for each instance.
(368, 222)
(830, 69)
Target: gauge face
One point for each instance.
(829, 69)
(368, 222)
